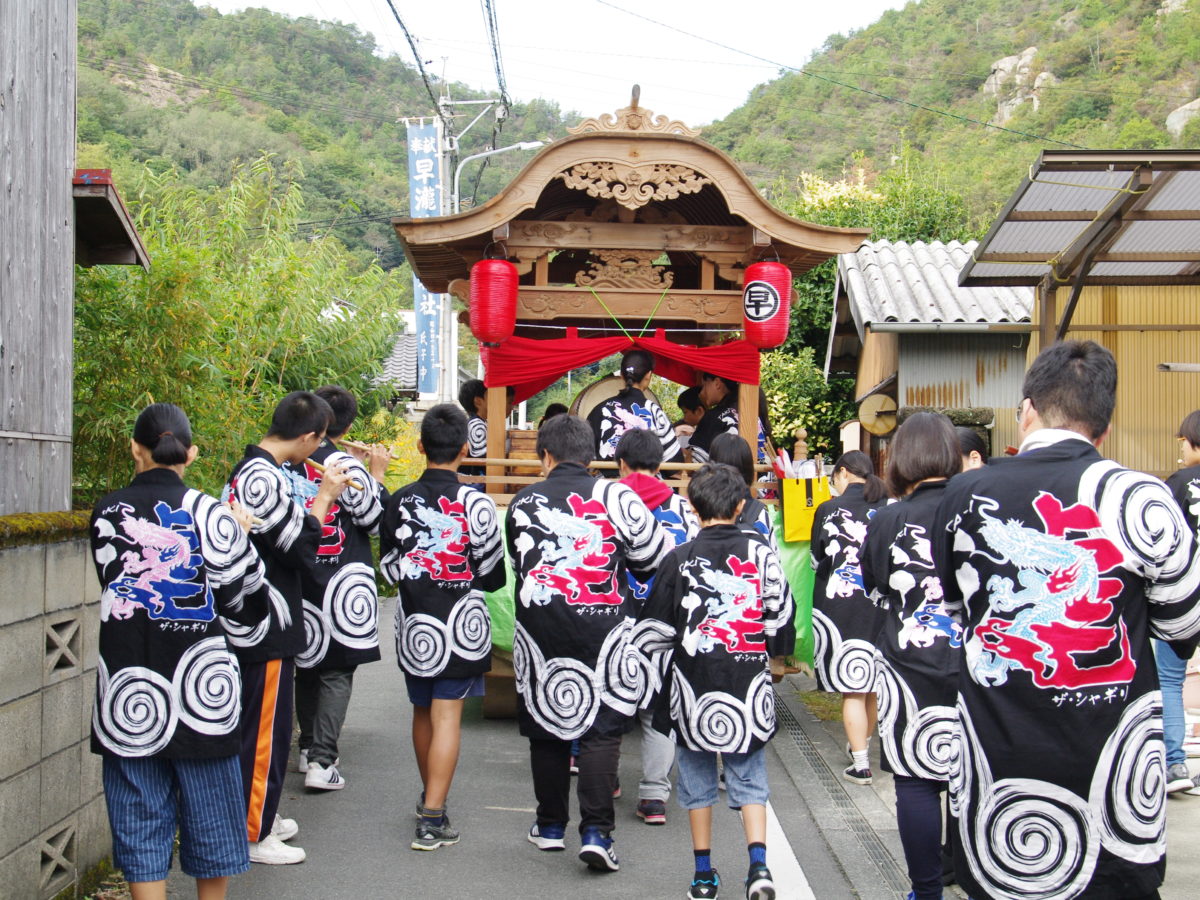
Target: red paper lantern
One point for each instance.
(766, 299)
(493, 312)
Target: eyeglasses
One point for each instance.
(1021, 408)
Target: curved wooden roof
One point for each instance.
(627, 181)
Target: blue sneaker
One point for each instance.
(598, 852)
(759, 884)
(705, 888)
(548, 837)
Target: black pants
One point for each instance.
(550, 761)
(919, 818)
(266, 740)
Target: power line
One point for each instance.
(933, 109)
(420, 64)
(493, 30)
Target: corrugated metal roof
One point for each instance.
(400, 368)
(918, 283)
(1133, 214)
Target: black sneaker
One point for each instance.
(858, 776)
(652, 812)
(705, 888)
(430, 837)
(759, 884)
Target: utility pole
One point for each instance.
(449, 144)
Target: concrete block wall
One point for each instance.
(53, 823)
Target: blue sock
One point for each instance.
(703, 862)
(432, 816)
(758, 854)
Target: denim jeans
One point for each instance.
(1171, 671)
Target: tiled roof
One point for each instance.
(400, 368)
(918, 283)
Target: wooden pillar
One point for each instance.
(497, 403)
(748, 416)
(1047, 313)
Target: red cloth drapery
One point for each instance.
(531, 366)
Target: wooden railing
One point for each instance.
(519, 472)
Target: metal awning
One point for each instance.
(1103, 217)
(104, 230)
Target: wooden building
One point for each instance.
(630, 224)
(1110, 240)
(48, 214)
(909, 333)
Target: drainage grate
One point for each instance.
(873, 847)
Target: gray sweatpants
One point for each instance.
(322, 698)
(658, 756)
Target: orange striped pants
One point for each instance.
(266, 739)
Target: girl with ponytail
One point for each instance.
(845, 621)
(177, 575)
(632, 409)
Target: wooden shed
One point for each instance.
(632, 224)
(908, 332)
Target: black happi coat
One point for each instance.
(629, 410)
(571, 539)
(174, 566)
(286, 538)
(1066, 564)
(921, 639)
(477, 443)
(845, 621)
(341, 600)
(719, 419)
(440, 544)
(704, 638)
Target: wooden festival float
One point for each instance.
(630, 232)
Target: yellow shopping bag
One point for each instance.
(801, 497)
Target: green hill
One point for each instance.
(168, 83)
(1101, 74)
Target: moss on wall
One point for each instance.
(43, 528)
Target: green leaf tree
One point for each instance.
(234, 313)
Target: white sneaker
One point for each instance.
(284, 829)
(321, 778)
(271, 851)
(302, 766)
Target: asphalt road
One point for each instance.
(357, 839)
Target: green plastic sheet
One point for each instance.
(796, 568)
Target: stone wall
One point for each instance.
(53, 824)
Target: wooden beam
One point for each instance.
(1086, 215)
(533, 234)
(748, 416)
(544, 304)
(497, 405)
(1047, 315)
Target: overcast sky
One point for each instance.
(586, 54)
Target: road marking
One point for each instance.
(790, 883)
(510, 809)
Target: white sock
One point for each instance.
(861, 762)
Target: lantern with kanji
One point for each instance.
(493, 312)
(766, 298)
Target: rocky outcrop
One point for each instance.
(1178, 119)
(1170, 6)
(1014, 82)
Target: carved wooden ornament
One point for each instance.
(634, 118)
(625, 269)
(633, 186)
